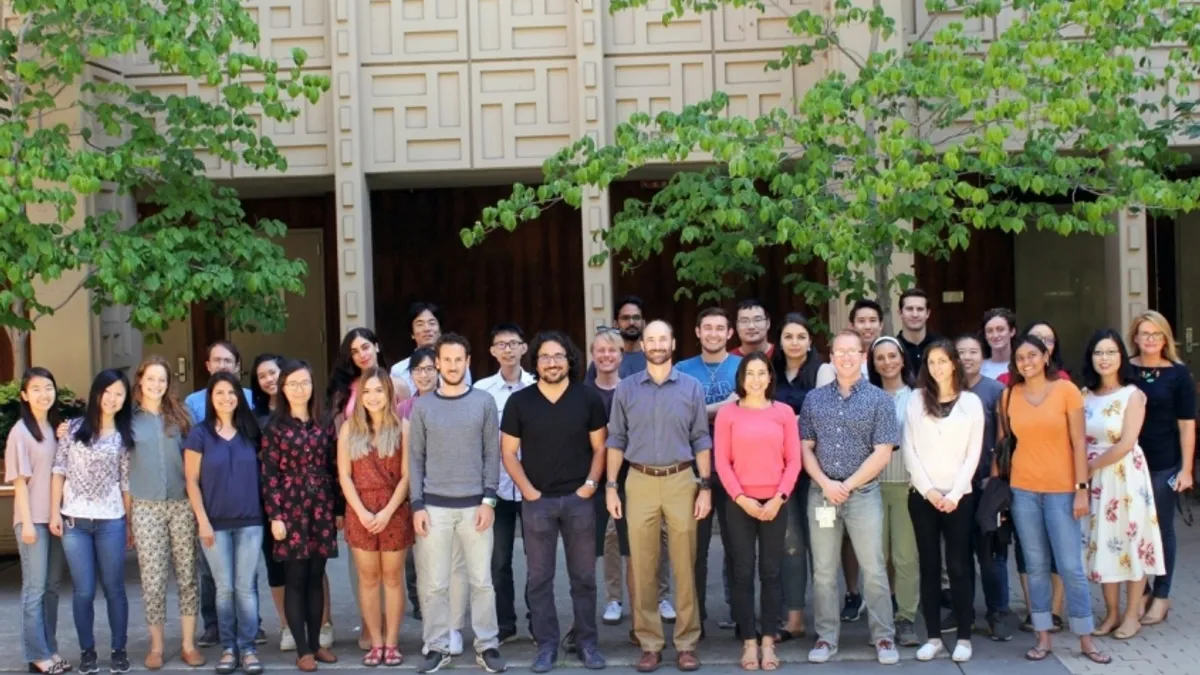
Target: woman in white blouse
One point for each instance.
(942, 441)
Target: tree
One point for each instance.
(1061, 121)
(193, 244)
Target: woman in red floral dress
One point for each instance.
(371, 467)
(301, 501)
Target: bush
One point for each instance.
(68, 406)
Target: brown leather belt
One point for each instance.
(661, 471)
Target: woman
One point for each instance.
(87, 509)
(359, 352)
(1168, 436)
(1123, 543)
(1050, 489)
(161, 517)
(796, 365)
(887, 368)
(999, 330)
(300, 501)
(1049, 337)
(758, 461)
(942, 442)
(220, 460)
(28, 462)
(372, 465)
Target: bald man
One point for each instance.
(659, 423)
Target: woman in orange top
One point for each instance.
(1050, 489)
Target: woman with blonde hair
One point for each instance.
(164, 526)
(372, 465)
(1167, 438)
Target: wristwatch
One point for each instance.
(1081, 486)
(705, 483)
(612, 485)
(490, 501)
(591, 483)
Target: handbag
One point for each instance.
(1006, 446)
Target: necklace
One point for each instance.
(713, 370)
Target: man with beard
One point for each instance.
(454, 470)
(631, 319)
(425, 320)
(553, 447)
(659, 424)
(753, 327)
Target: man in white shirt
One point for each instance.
(426, 322)
(507, 347)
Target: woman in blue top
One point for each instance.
(221, 466)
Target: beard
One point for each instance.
(453, 381)
(631, 333)
(554, 377)
(658, 357)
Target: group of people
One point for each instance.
(902, 461)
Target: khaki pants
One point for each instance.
(614, 567)
(649, 502)
(900, 549)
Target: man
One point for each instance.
(993, 562)
(753, 325)
(866, 319)
(425, 319)
(660, 426)
(915, 336)
(508, 348)
(716, 370)
(553, 447)
(454, 470)
(849, 431)
(631, 320)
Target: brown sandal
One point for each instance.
(192, 658)
(154, 661)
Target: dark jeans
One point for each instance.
(542, 522)
(304, 601)
(931, 528)
(993, 571)
(744, 535)
(703, 538)
(410, 580)
(622, 527)
(1164, 502)
(505, 534)
(96, 548)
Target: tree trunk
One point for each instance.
(883, 285)
(19, 340)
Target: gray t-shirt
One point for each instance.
(454, 449)
(989, 392)
(25, 457)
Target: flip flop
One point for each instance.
(1097, 656)
(1037, 654)
(784, 635)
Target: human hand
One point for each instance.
(366, 518)
(1183, 481)
(771, 509)
(56, 524)
(835, 492)
(585, 492)
(1082, 505)
(613, 501)
(421, 523)
(752, 507)
(61, 431)
(28, 534)
(484, 517)
(278, 530)
(533, 495)
(380, 522)
(703, 504)
(935, 498)
(207, 537)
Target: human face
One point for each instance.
(425, 375)
(1031, 361)
(795, 341)
(752, 325)
(999, 334)
(888, 360)
(426, 329)
(297, 389)
(630, 322)
(113, 398)
(1043, 333)
(552, 363)
(39, 393)
(268, 377)
(221, 359)
(606, 356)
(846, 355)
(970, 354)
(1106, 358)
(508, 348)
(224, 399)
(714, 333)
(757, 379)
(452, 364)
(364, 353)
(153, 383)
(658, 343)
(941, 368)
(374, 395)
(867, 324)
(1150, 339)
(914, 313)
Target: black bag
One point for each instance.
(1006, 446)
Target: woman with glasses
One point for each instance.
(1168, 436)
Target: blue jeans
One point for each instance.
(96, 548)
(208, 590)
(233, 560)
(41, 572)
(1164, 504)
(1049, 531)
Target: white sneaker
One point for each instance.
(665, 610)
(456, 646)
(962, 651)
(612, 613)
(326, 638)
(287, 641)
(930, 650)
(822, 652)
(885, 651)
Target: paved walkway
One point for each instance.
(1165, 649)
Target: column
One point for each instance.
(1125, 260)
(596, 211)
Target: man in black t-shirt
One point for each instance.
(552, 441)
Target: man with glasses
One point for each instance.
(753, 326)
(631, 320)
(849, 430)
(508, 347)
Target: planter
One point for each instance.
(8, 538)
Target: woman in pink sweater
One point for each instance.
(758, 459)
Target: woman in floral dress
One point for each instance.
(1123, 543)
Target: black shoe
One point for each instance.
(433, 662)
(949, 622)
(209, 638)
(491, 661)
(1000, 626)
(569, 644)
(947, 599)
(507, 635)
(87, 662)
(119, 662)
(854, 608)
(260, 638)
(1058, 624)
(416, 613)
(1027, 625)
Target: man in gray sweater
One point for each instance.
(454, 470)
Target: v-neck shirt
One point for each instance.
(1044, 460)
(556, 450)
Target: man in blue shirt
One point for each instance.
(222, 356)
(716, 369)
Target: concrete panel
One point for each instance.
(411, 31)
(740, 28)
(655, 83)
(753, 89)
(523, 112)
(641, 31)
(514, 29)
(919, 23)
(415, 118)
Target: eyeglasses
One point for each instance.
(423, 370)
(846, 353)
(752, 321)
(548, 359)
(298, 386)
(607, 329)
(1151, 337)
(1106, 353)
(511, 344)
(223, 361)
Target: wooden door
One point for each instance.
(969, 283)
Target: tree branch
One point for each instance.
(74, 291)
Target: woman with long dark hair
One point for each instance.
(161, 518)
(1045, 332)
(28, 466)
(220, 460)
(88, 497)
(359, 352)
